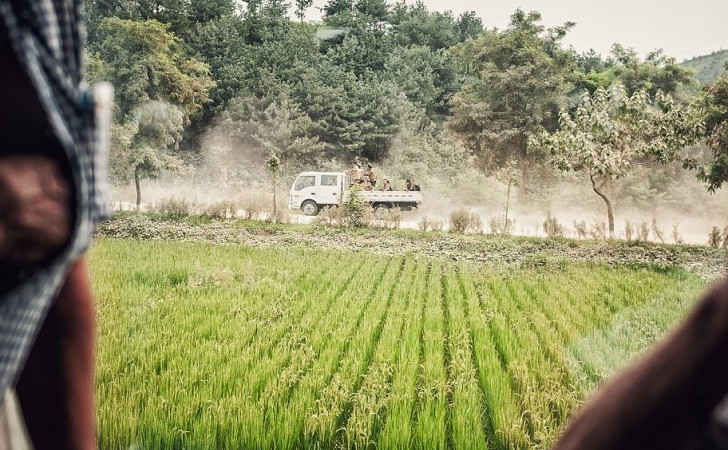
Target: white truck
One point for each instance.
(313, 191)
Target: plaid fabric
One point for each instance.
(46, 36)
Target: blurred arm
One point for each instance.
(665, 400)
(56, 388)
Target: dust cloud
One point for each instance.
(231, 170)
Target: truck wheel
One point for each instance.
(310, 208)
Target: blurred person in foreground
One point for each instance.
(51, 194)
(674, 397)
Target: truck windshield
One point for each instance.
(304, 181)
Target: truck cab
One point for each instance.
(314, 190)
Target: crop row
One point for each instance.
(204, 346)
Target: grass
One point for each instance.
(226, 346)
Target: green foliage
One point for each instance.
(146, 145)
(338, 7)
(517, 83)
(714, 111)
(610, 131)
(301, 7)
(416, 25)
(274, 125)
(355, 211)
(468, 25)
(352, 116)
(333, 349)
(390, 82)
(657, 73)
(459, 220)
(427, 77)
(144, 62)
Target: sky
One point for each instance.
(684, 29)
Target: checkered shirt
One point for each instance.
(46, 36)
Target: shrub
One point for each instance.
(221, 210)
(552, 227)
(628, 230)
(498, 226)
(356, 212)
(476, 224)
(715, 238)
(175, 209)
(331, 216)
(253, 206)
(580, 228)
(436, 225)
(424, 224)
(676, 238)
(459, 220)
(657, 232)
(598, 231)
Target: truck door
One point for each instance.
(329, 189)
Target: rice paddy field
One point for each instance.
(205, 346)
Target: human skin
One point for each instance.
(35, 203)
(56, 387)
(665, 400)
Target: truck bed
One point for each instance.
(392, 196)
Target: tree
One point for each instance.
(352, 116)
(220, 44)
(427, 77)
(468, 25)
(301, 7)
(179, 15)
(713, 110)
(145, 146)
(508, 175)
(272, 126)
(415, 25)
(610, 132)
(145, 61)
(273, 165)
(375, 10)
(518, 80)
(656, 73)
(336, 7)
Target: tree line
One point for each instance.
(397, 82)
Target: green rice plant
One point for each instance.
(332, 407)
(430, 431)
(396, 432)
(225, 346)
(286, 428)
(467, 412)
(504, 422)
(373, 396)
